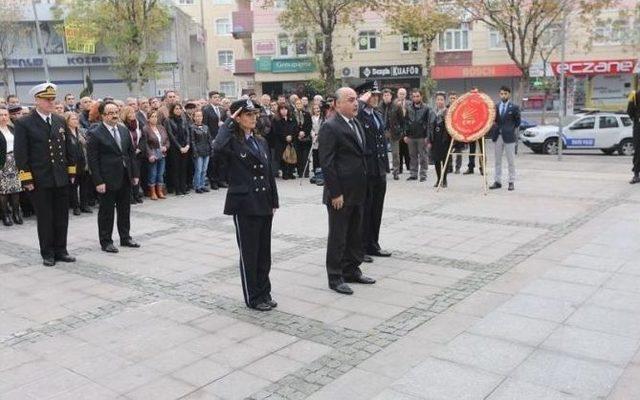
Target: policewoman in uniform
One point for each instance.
(252, 198)
(46, 166)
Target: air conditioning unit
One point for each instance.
(348, 72)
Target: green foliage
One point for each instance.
(130, 28)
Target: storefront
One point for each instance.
(486, 78)
(600, 84)
(391, 76)
(284, 75)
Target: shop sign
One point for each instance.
(598, 67)
(391, 71)
(263, 64)
(292, 65)
(265, 47)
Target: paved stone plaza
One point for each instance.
(532, 294)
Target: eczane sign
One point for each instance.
(590, 68)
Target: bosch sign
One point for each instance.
(595, 67)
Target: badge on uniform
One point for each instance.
(243, 155)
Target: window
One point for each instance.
(223, 26)
(319, 48)
(225, 58)
(228, 88)
(611, 33)
(283, 44)
(608, 122)
(584, 123)
(496, 41)
(221, 1)
(552, 37)
(626, 121)
(302, 45)
(185, 2)
(367, 40)
(410, 44)
(454, 39)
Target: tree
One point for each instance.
(522, 23)
(423, 20)
(319, 19)
(131, 29)
(10, 29)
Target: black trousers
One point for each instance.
(472, 149)
(373, 207)
(636, 146)
(136, 192)
(316, 159)
(404, 155)
(303, 149)
(216, 170)
(439, 156)
(81, 190)
(52, 211)
(179, 170)
(110, 201)
(344, 244)
(253, 234)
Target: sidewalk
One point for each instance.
(532, 294)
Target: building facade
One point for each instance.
(181, 61)
(248, 51)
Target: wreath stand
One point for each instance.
(482, 159)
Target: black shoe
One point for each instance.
(17, 217)
(76, 211)
(422, 179)
(65, 258)
(365, 280)
(469, 171)
(110, 248)
(635, 179)
(396, 177)
(6, 220)
(271, 302)
(205, 190)
(367, 259)
(379, 253)
(481, 172)
(139, 200)
(435, 185)
(312, 180)
(48, 262)
(341, 288)
(198, 191)
(444, 184)
(319, 182)
(262, 307)
(495, 185)
(511, 186)
(412, 178)
(129, 243)
(86, 210)
(223, 185)
(214, 186)
(457, 171)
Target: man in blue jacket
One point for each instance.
(504, 136)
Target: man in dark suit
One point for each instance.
(342, 144)
(46, 166)
(633, 110)
(504, 135)
(213, 117)
(111, 154)
(377, 160)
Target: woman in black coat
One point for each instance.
(440, 140)
(302, 138)
(201, 149)
(285, 129)
(252, 198)
(82, 188)
(178, 132)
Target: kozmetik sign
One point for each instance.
(600, 67)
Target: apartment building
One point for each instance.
(180, 61)
(248, 51)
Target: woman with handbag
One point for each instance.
(10, 186)
(201, 148)
(157, 147)
(285, 129)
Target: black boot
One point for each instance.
(17, 216)
(4, 211)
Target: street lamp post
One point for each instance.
(563, 99)
(39, 36)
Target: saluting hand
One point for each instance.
(338, 202)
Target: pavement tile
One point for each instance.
(514, 328)
(606, 320)
(236, 386)
(512, 389)
(538, 307)
(202, 372)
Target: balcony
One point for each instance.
(242, 24)
(245, 67)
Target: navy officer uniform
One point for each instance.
(377, 162)
(252, 198)
(45, 162)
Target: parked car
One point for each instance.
(609, 132)
(525, 124)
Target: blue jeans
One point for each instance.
(156, 172)
(201, 164)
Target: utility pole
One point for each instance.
(562, 112)
(205, 71)
(39, 36)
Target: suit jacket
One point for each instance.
(376, 155)
(107, 162)
(142, 119)
(252, 186)
(342, 159)
(42, 153)
(3, 148)
(506, 125)
(211, 119)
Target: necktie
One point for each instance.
(375, 118)
(503, 107)
(355, 129)
(116, 137)
(254, 144)
(49, 121)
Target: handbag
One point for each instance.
(289, 155)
